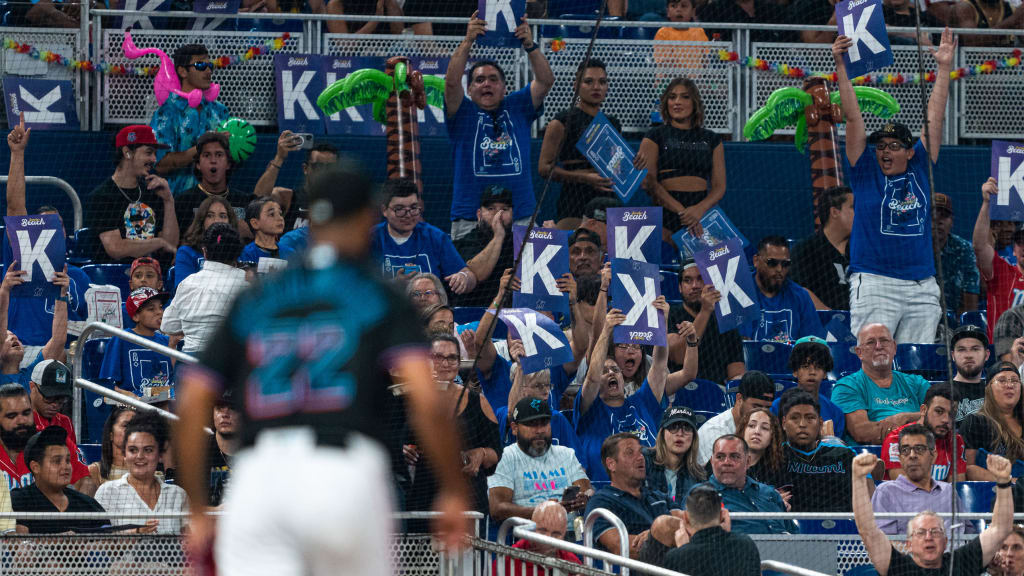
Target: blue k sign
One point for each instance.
(47, 104)
(862, 22)
(37, 243)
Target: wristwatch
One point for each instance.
(531, 48)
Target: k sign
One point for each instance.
(544, 342)
(502, 17)
(862, 22)
(37, 243)
(1008, 170)
(635, 234)
(143, 21)
(634, 288)
(725, 267)
(299, 79)
(355, 120)
(47, 104)
(545, 258)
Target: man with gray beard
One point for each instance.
(532, 471)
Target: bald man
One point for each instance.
(877, 399)
(550, 518)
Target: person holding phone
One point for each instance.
(319, 155)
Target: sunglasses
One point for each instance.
(202, 66)
(773, 262)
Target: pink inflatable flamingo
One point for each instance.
(167, 81)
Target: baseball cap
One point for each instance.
(144, 261)
(529, 409)
(49, 436)
(1003, 367)
(674, 414)
(809, 341)
(969, 331)
(52, 378)
(137, 134)
(893, 130)
(942, 202)
(597, 208)
(585, 235)
(138, 299)
(495, 193)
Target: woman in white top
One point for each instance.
(140, 491)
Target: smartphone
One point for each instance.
(304, 140)
(785, 488)
(570, 493)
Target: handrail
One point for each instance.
(76, 369)
(788, 568)
(76, 202)
(588, 533)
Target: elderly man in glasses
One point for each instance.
(926, 537)
(179, 125)
(787, 311)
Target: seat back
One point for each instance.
(768, 357)
(702, 396)
(844, 361)
(114, 274)
(928, 360)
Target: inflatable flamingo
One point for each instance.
(167, 81)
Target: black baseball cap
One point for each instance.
(529, 409)
(969, 331)
(49, 436)
(1002, 367)
(495, 193)
(893, 130)
(52, 379)
(597, 208)
(585, 235)
(674, 414)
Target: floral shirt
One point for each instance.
(178, 125)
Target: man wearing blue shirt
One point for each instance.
(741, 493)
(892, 267)
(405, 245)
(489, 131)
(787, 311)
(877, 399)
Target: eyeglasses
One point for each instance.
(402, 211)
(202, 66)
(443, 359)
(922, 533)
(627, 347)
(919, 449)
(773, 262)
(893, 146)
(423, 293)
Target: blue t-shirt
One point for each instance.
(892, 221)
(497, 387)
(858, 392)
(32, 318)
(636, 513)
(829, 411)
(126, 321)
(639, 415)
(562, 433)
(24, 375)
(253, 253)
(294, 242)
(187, 262)
(785, 317)
(427, 249)
(131, 367)
(484, 156)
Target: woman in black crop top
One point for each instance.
(685, 163)
(559, 157)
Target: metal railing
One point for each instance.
(76, 202)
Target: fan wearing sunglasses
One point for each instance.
(179, 125)
(787, 311)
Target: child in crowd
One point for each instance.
(266, 218)
(132, 369)
(685, 57)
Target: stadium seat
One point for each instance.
(976, 317)
(875, 449)
(702, 396)
(783, 382)
(564, 31)
(96, 410)
(115, 274)
(92, 357)
(827, 316)
(469, 314)
(82, 247)
(169, 281)
(637, 33)
(862, 570)
(844, 361)
(91, 452)
(976, 496)
(670, 287)
(928, 360)
(808, 526)
(770, 357)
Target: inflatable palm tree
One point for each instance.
(816, 115)
(396, 94)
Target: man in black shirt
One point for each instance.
(970, 354)
(926, 540)
(820, 261)
(212, 167)
(132, 213)
(487, 249)
(47, 455)
(322, 155)
(707, 546)
(819, 471)
(223, 445)
(720, 355)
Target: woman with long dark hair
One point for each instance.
(763, 434)
(685, 162)
(189, 258)
(672, 466)
(111, 465)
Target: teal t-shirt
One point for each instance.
(858, 392)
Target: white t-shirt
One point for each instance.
(534, 480)
(713, 429)
(118, 497)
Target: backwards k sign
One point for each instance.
(544, 342)
(634, 288)
(47, 104)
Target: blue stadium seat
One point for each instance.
(783, 382)
(92, 357)
(976, 317)
(82, 247)
(862, 570)
(827, 316)
(702, 396)
(169, 281)
(96, 410)
(670, 287)
(637, 33)
(928, 360)
(91, 452)
(108, 274)
(827, 526)
(976, 496)
(844, 361)
(771, 357)
(565, 31)
(875, 449)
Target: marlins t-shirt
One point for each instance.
(427, 249)
(892, 219)
(493, 147)
(858, 392)
(785, 317)
(820, 477)
(638, 415)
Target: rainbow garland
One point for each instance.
(987, 67)
(270, 45)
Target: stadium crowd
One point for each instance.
(618, 425)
